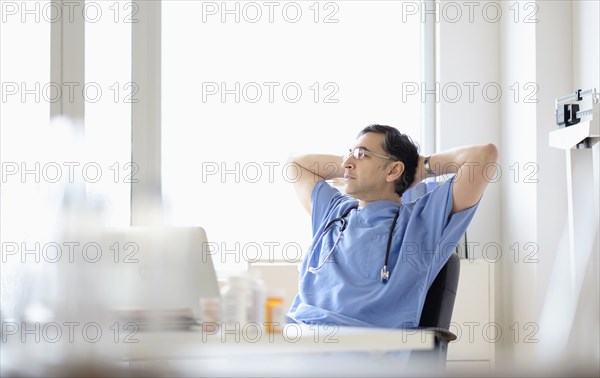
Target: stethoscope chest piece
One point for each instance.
(385, 274)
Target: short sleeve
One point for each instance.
(443, 229)
(327, 203)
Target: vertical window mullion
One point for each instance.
(428, 61)
(146, 113)
(68, 59)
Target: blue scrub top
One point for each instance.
(348, 290)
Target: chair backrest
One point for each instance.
(439, 303)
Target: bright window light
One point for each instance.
(246, 84)
(26, 195)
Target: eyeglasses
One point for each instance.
(360, 152)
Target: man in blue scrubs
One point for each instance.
(346, 278)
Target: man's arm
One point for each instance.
(312, 169)
(474, 166)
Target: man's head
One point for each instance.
(388, 166)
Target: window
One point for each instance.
(26, 92)
(42, 73)
(242, 86)
(245, 84)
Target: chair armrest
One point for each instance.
(441, 334)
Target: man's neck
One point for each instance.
(393, 198)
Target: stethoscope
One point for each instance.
(385, 273)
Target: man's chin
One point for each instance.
(350, 191)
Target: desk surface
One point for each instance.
(295, 338)
(299, 350)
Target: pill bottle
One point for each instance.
(275, 311)
(235, 302)
(210, 314)
(256, 298)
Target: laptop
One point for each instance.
(150, 275)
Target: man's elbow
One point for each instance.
(297, 159)
(293, 158)
(488, 153)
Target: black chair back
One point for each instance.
(439, 303)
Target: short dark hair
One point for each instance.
(401, 147)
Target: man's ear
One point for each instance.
(395, 170)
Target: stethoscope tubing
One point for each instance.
(314, 270)
(385, 273)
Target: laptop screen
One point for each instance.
(152, 269)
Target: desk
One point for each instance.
(294, 339)
(301, 350)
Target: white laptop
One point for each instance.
(147, 272)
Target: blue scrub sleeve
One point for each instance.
(444, 228)
(324, 200)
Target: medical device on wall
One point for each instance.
(576, 109)
(578, 119)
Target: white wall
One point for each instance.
(568, 316)
(516, 288)
(586, 74)
(468, 57)
(468, 52)
(554, 54)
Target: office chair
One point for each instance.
(439, 304)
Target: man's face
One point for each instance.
(365, 179)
